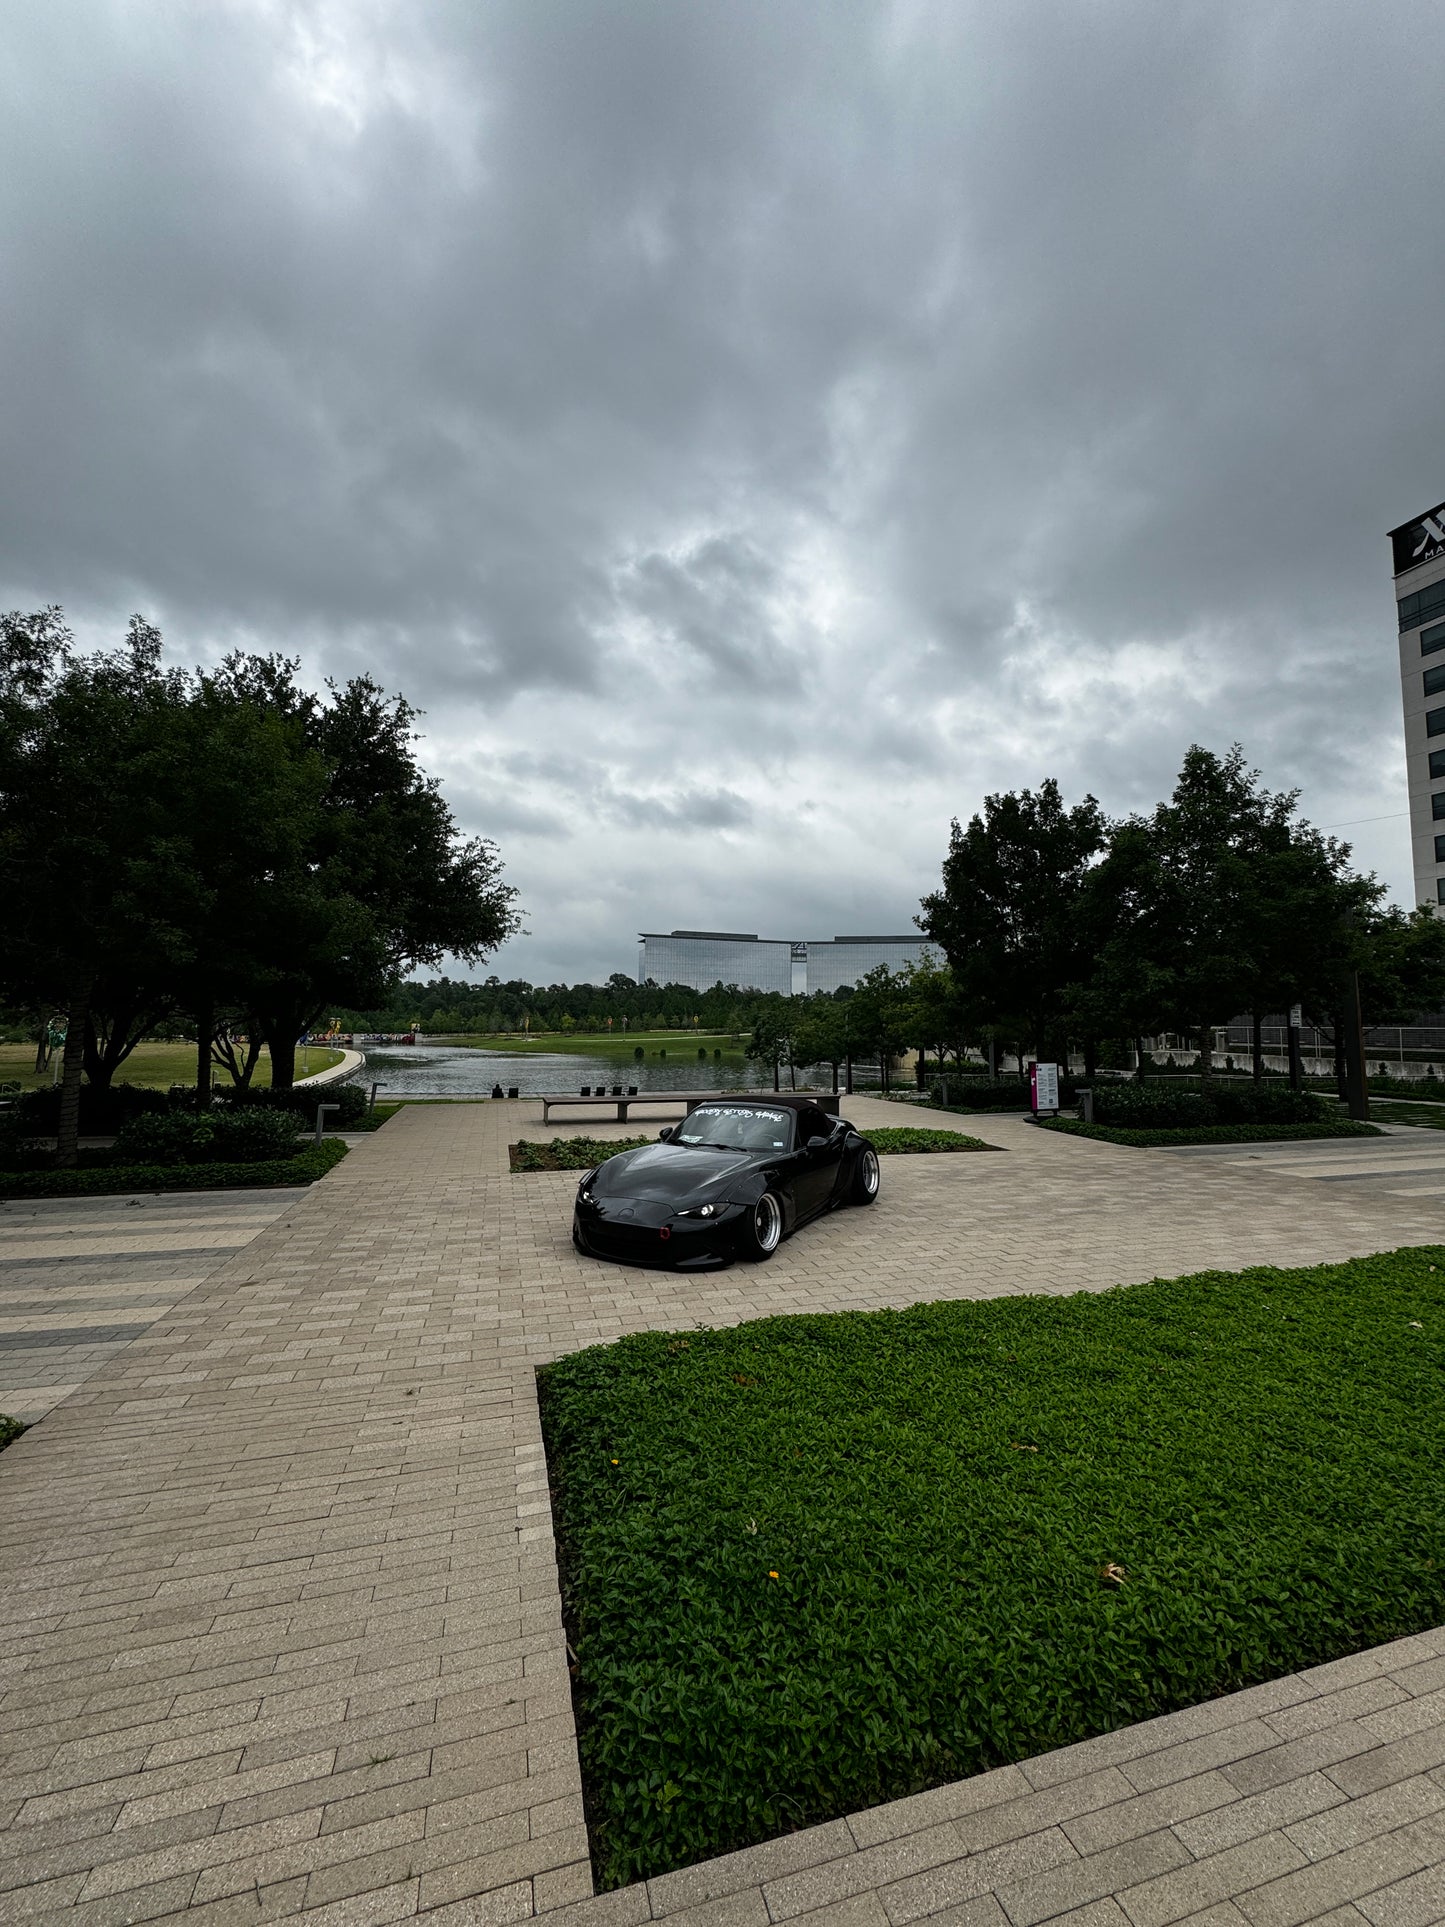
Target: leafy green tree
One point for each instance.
(1006, 917)
(878, 1018)
(937, 1017)
(91, 869)
(1217, 902)
(771, 1042)
(820, 1034)
(378, 877)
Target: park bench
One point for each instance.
(689, 1100)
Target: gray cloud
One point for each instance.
(750, 431)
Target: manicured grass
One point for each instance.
(374, 1119)
(159, 1066)
(569, 1153)
(1158, 1139)
(900, 1140)
(109, 1180)
(815, 1563)
(10, 1430)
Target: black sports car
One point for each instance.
(733, 1180)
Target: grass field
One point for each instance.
(158, 1065)
(815, 1563)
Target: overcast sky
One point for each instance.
(751, 430)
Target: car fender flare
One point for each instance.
(749, 1189)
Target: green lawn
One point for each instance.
(815, 1563)
(159, 1065)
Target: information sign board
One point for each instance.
(1044, 1088)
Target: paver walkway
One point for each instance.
(281, 1628)
(81, 1277)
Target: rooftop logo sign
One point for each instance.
(1422, 540)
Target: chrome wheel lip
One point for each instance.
(870, 1171)
(767, 1222)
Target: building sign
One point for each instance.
(1422, 540)
(1044, 1083)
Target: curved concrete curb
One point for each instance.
(351, 1060)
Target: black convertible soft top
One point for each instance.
(826, 1101)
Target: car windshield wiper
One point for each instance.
(705, 1144)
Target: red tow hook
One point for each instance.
(665, 1231)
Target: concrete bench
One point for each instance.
(689, 1100)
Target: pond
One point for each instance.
(456, 1070)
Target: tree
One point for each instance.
(820, 1033)
(1221, 900)
(377, 876)
(772, 1038)
(1005, 916)
(937, 1017)
(89, 860)
(877, 1017)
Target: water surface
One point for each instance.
(458, 1070)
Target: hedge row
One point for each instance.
(1148, 1107)
(1161, 1139)
(107, 1180)
(105, 1112)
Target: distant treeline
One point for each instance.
(445, 1004)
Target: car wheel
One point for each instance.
(865, 1176)
(761, 1231)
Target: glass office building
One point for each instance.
(1419, 558)
(702, 958)
(843, 960)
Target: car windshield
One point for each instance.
(735, 1127)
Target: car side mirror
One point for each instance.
(814, 1142)
(664, 1134)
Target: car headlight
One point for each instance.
(703, 1211)
(584, 1189)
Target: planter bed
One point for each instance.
(581, 1153)
(811, 1564)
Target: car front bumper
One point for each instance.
(642, 1234)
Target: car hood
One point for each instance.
(669, 1172)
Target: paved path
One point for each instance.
(281, 1629)
(79, 1278)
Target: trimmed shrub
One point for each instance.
(102, 1113)
(1147, 1107)
(303, 1103)
(212, 1137)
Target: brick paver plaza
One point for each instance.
(281, 1629)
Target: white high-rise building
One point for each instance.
(1419, 552)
